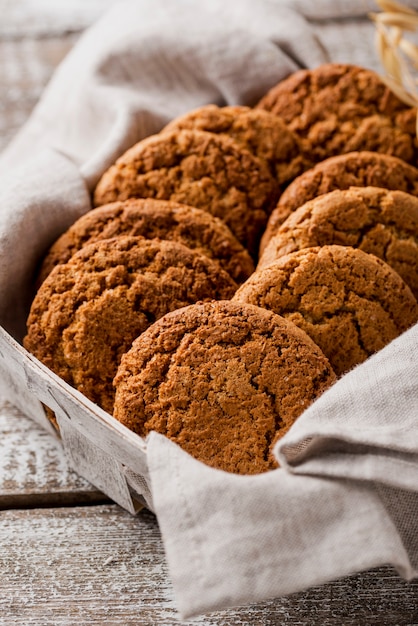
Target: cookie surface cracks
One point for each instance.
(222, 380)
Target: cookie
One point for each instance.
(88, 311)
(349, 302)
(152, 218)
(261, 132)
(378, 221)
(344, 108)
(205, 170)
(356, 169)
(221, 379)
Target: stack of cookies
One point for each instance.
(238, 262)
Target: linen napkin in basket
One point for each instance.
(346, 495)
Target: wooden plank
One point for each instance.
(25, 68)
(99, 565)
(34, 38)
(98, 446)
(33, 467)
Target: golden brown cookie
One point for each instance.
(221, 379)
(349, 302)
(261, 132)
(378, 221)
(356, 169)
(151, 219)
(205, 170)
(89, 310)
(344, 108)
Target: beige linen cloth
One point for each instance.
(346, 495)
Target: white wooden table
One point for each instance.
(68, 555)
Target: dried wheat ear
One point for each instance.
(398, 55)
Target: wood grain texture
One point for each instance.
(34, 38)
(33, 467)
(99, 565)
(25, 68)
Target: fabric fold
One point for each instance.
(365, 426)
(37, 202)
(145, 62)
(345, 497)
(233, 540)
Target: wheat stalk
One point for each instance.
(398, 55)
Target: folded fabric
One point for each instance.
(233, 540)
(379, 441)
(38, 200)
(346, 495)
(345, 498)
(146, 62)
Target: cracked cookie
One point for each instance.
(375, 220)
(152, 219)
(261, 132)
(211, 172)
(344, 108)
(89, 310)
(349, 302)
(223, 380)
(356, 169)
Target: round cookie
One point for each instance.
(211, 172)
(349, 302)
(221, 379)
(151, 219)
(355, 169)
(88, 311)
(261, 132)
(344, 108)
(378, 221)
